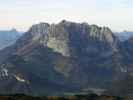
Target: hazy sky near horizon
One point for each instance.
(21, 14)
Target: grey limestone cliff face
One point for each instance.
(52, 36)
(58, 39)
(38, 31)
(65, 36)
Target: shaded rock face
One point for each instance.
(61, 57)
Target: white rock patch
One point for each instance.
(19, 78)
(4, 71)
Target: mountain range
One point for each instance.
(123, 36)
(52, 59)
(8, 38)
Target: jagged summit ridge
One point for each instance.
(59, 36)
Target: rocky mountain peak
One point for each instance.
(64, 22)
(65, 36)
(63, 54)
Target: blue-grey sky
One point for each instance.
(21, 14)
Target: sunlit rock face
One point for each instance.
(39, 31)
(58, 39)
